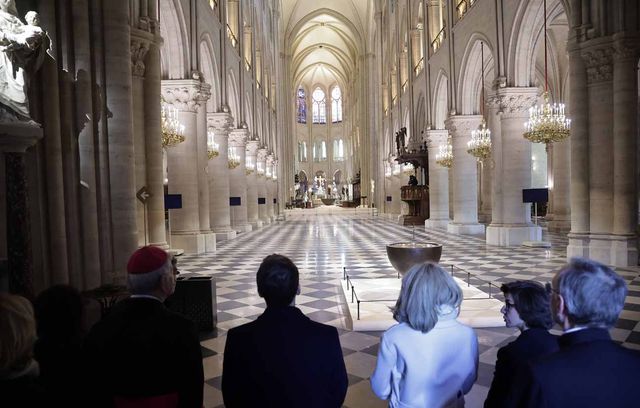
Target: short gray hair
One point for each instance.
(593, 293)
(146, 283)
(425, 289)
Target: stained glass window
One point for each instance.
(301, 106)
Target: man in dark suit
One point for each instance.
(282, 359)
(590, 370)
(143, 354)
(526, 307)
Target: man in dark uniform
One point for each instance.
(142, 353)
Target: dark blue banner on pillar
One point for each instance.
(235, 201)
(262, 200)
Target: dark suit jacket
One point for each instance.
(590, 370)
(283, 359)
(142, 349)
(531, 344)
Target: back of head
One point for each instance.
(278, 280)
(145, 268)
(17, 333)
(58, 312)
(593, 293)
(428, 292)
(531, 300)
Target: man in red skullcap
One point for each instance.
(142, 354)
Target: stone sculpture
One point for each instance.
(22, 51)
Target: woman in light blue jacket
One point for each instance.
(428, 359)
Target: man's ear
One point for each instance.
(167, 283)
(298, 290)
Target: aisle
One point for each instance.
(322, 245)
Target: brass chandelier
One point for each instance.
(234, 160)
(444, 157)
(172, 129)
(547, 122)
(480, 144)
(213, 148)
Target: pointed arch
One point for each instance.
(174, 53)
(471, 77)
(234, 97)
(440, 103)
(526, 31)
(210, 71)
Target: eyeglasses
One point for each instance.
(549, 288)
(174, 266)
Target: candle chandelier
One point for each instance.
(480, 144)
(547, 122)
(213, 148)
(172, 129)
(444, 157)
(234, 160)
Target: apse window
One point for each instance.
(302, 151)
(338, 150)
(301, 106)
(319, 106)
(336, 104)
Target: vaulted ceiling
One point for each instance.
(325, 38)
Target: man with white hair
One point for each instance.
(590, 370)
(142, 353)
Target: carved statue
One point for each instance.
(22, 51)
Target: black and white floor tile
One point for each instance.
(321, 246)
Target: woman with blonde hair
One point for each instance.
(428, 359)
(18, 370)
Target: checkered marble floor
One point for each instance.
(322, 245)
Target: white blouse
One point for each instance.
(433, 369)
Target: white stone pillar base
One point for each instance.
(561, 226)
(240, 228)
(465, 229)
(436, 223)
(578, 245)
(266, 221)
(509, 235)
(256, 224)
(616, 250)
(192, 243)
(225, 235)
(209, 241)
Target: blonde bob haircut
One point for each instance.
(427, 292)
(17, 332)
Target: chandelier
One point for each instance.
(444, 157)
(172, 129)
(547, 122)
(234, 160)
(480, 144)
(213, 148)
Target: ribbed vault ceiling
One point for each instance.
(325, 38)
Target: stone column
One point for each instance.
(203, 176)
(624, 247)
(139, 49)
(238, 181)
(252, 184)
(511, 218)
(465, 176)
(261, 165)
(559, 183)
(117, 63)
(220, 212)
(270, 187)
(578, 94)
(153, 148)
(438, 183)
(182, 164)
